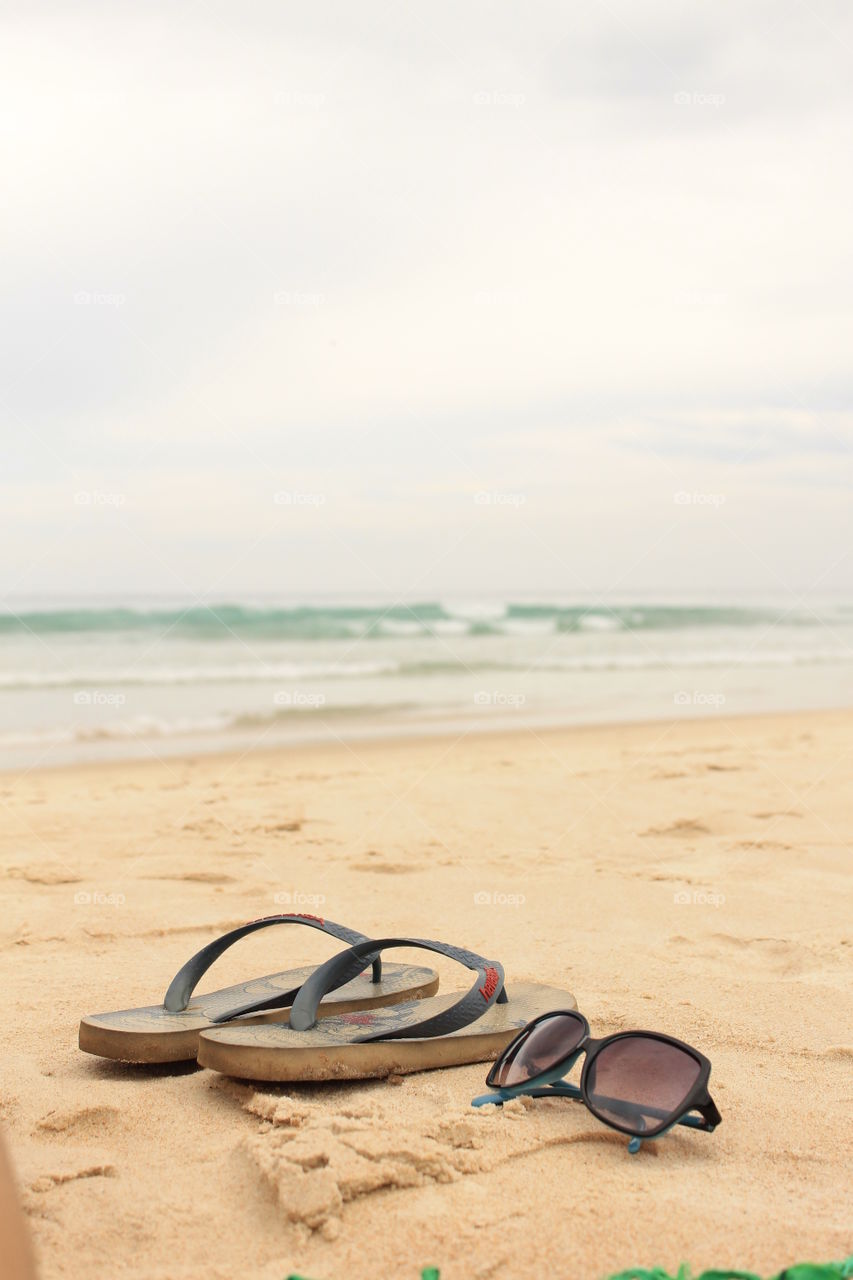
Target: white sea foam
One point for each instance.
(221, 673)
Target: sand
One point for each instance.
(693, 878)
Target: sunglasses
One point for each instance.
(639, 1082)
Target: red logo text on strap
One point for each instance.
(489, 985)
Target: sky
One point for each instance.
(403, 298)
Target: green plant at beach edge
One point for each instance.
(799, 1271)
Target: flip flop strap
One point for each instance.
(488, 987)
(186, 979)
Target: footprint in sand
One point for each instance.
(43, 873)
(77, 1121)
(774, 955)
(318, 1160)
(198, 877)
(320, 1157)
(682, 827)
(48, 1181)
(776, 845)
(384, 868)
(170, 931)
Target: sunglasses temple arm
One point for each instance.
(709, 1113)
(558, 1089)
(498, 1097)
(707, 1120)
(701, 1121)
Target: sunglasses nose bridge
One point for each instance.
(590, 1049)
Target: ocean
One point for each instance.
(93, 679)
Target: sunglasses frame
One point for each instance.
(551, 1083)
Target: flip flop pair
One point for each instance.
(169, 1032)
(332, 1022)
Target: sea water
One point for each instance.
(88, 679)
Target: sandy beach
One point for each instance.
(691, 878)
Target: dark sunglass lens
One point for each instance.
(537, 1049)
(639, 1083)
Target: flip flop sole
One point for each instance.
(329, 1051)
(153, 1035)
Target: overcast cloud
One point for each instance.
(426, 297)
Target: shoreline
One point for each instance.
(217, 748)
